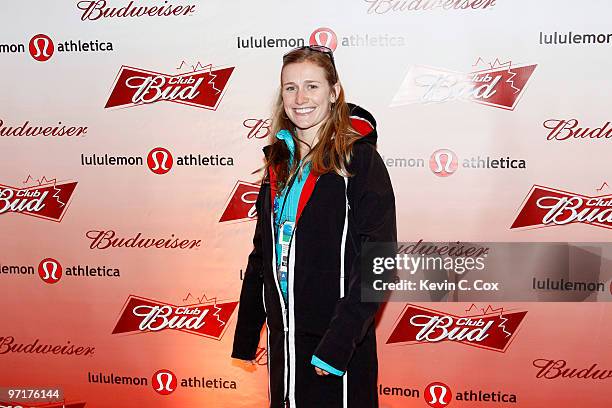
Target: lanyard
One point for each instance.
(285, 228)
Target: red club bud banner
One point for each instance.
(131, 133)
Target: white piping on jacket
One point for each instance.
(282, 302)
(292, 362)
(263, 298)
(342, 255)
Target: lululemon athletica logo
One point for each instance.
(438, 395)
(164, 382)
(41, 47)
(50, 270)
(324, 36)
(160, 160)
(443, 162)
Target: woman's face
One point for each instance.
(307, 96)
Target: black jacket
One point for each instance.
(324, 315)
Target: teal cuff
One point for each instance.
(316, 361)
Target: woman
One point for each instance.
(325, 193)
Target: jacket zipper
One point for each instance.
(286, 315)
(283, 309)
(282, 300)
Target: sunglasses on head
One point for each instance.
(318, 48)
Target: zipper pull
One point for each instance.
(286, 328)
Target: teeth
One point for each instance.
(304, 110)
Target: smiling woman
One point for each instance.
(325, 191)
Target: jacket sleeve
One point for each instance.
(251, 312)
(373, 206)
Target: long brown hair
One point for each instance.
(332, 153)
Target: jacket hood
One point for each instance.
(364, 123)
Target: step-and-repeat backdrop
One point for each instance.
(129, 133)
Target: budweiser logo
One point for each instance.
(258, 128)
(9, 345)
(261, 357)
(552, 369)
(104, 239)
(385, 6)
(545, 206)
(26, 129)
(49, 199)
(97, 9)
(566, 129)
(491, 329)
(500, 85)
(241, 203)
(208, 318)
(202, 88)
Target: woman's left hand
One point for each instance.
(320, 371)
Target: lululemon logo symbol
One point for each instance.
(50, 270)
(443, 162)
(164, 382)
(324, 36)
(437, 395)
(160, 160)
(41, 47)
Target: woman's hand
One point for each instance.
(320, 371)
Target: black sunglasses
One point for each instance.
(318, 48)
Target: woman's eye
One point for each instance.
(312, 86)
(289, 88)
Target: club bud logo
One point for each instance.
(160, 160)
(500, 85)
(437, 395)
(164, 382)
(206, 318)
(258, 128)
(49, 199)
(203, 88)
(50, 270)
(545, 206)
(325, 37)
(443, 163)
(41, 47)
(491, 329)
(241, 203)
